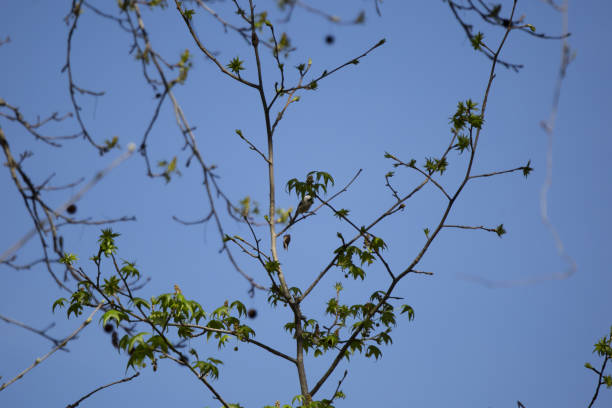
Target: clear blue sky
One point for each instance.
(469, 345)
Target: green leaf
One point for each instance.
(500, 230)
(463, 142)
(221, 312)
(129, 270)
(409, 310)
(436, 165)
(185, 332)
(356, 272)
(113, 314)
(158, 342)
(109, 144)
(139, 353)
(341, 213)
(477, 40)
(284, 43)
(107, 242)
(235, 65)
(476, 120)
(68, 259)
(240, 307)
(208, 368)
(59, 302)
(272, 266)
(140, 302)
(111, 285)
(189, 14)
(137, 339)
(373, 351)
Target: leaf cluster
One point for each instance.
(169, 315)
(374, 323)
(345, 254)
(315, 182)
(465, 115)
(169, 167)
(603, 348)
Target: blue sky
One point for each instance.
(469, 345)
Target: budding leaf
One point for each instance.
(189, 14)
(477, 40)
(235, 65)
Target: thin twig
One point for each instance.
(74, 404)
(59, 346)
(499, 172)
(42, 333)
(99, 176)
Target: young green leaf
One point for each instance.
(235, 65)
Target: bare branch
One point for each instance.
(326, 73)
(472, 228)
(99, 176)
(59, 346)
(251, 145)
(208, 53)
(75, 12)
(42, 333)
(522, 168)
(75, 404)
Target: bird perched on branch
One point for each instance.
(286, 240)
(303, 207)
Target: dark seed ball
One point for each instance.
(71, 209)
(252, 313)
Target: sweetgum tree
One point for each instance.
(343, 309)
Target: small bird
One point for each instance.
(303, 207)
(286, 240)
